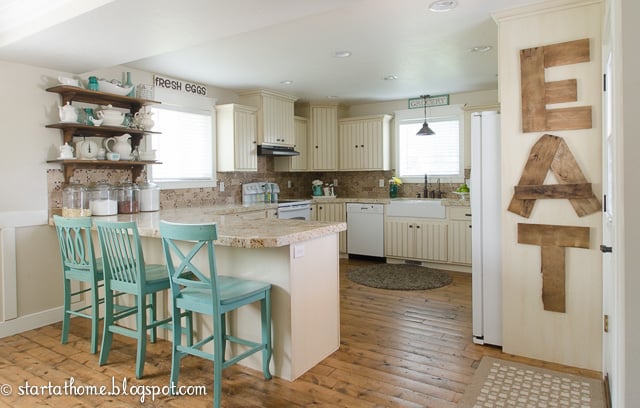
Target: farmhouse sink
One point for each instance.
(415, 207)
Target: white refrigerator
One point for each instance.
(485, 236)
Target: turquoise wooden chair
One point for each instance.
(127, 273)
(80, 264)
(212, 295)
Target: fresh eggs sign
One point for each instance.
(179, 85)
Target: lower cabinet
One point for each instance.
(334, 212)
(460, 235)
(416, 238)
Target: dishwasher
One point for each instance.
(365, 229)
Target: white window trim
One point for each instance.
(432, 113)
(187, 103)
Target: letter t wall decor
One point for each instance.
(536, 93)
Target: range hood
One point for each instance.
(276, 150)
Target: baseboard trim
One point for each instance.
(30, 322)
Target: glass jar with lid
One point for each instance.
(102, 199)
(149, 196)
(128, 198)
(75, 201)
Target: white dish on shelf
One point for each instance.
(65, 158)
(106, 86)
(68, 81)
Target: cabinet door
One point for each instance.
(460, 242)
(350, 146)
(324, 138)
(246, 149)
(300, 144)
(364, 143)
(334, 212)
(399, 240)
(277, 120)
(371, 146)
(431, 241)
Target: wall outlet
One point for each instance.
(221, 186)
(288, 183)
(298, 251)
(335, 182)
(381, 183)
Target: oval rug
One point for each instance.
(399, 277)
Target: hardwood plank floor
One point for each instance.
(398, 349)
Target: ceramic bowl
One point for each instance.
(106, 86)
(68, 81)
(113, 156)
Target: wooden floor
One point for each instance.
(398, 349)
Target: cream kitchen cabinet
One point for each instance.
(323, 138)
(237, 138)
(275, 116)
(416, 239)
(296, 163)
(364, 143)
(460, 235)
(334, 212)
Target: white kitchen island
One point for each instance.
(301, 261)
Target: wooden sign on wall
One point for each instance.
(551, 153)
(553, 239)
(536, 93)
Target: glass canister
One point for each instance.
(75, 201)
(149, 196)
(128, 198)
(102, 199)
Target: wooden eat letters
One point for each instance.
(536, 93)
(553, 239)
(551, 153)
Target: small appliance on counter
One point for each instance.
(316, 187)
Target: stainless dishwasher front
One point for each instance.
(365, 229)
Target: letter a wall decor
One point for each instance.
(551, 153)
(536, 93)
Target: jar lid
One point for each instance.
(101, 186)
(127, 185)
(146, 185)
(75, 186)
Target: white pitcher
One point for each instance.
(120, 145)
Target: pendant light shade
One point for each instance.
(426, 130)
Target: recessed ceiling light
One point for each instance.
(390, 77)
(286, 82)
(480, 48)
(440, 6)
(342, 54)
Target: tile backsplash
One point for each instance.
(360, 184)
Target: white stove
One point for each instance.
(266, 192)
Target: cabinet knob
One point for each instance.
(417, 227)
(410, 226)
(316, 146)
(361, 145)
(356, 146)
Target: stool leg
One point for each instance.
(218, 359)
(107, 336)
(141, 335)
(265, 313)
(95, 316)
(177, 340)
(66, 318)
(153, 317)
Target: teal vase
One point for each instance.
(393, 190)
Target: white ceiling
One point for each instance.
(245, 44)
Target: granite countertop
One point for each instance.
(234, 232)
(447, 202)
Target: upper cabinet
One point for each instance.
(296, 163)
(275, 116)
(323, 134)
(237, 137)
(70, 94)
(364, 143)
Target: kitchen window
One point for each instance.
(439, 155)
(186, 145)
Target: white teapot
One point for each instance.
(120, 145)
(143, 120)
(110, 116)
(67, 113)
(66, 151)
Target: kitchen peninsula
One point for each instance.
(300, 260)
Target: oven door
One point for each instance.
(295, 212)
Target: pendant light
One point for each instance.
(426, 130)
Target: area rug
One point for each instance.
(500, 383)
(399, 277)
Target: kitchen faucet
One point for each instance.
(426, 187)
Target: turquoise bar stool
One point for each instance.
(80, 264)
(212, 295)
(126, 272)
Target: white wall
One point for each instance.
(572, 338)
